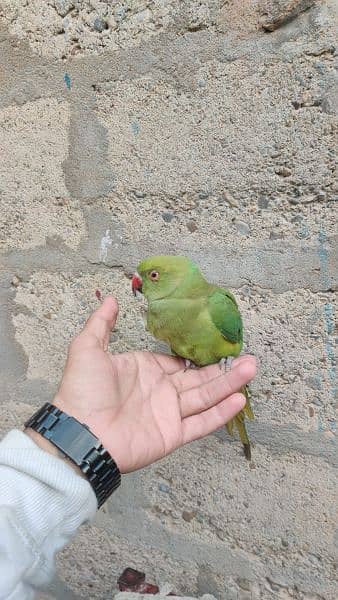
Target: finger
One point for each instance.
(186, 379)
(208, 394)
(208, 421)
(169, 364)
(100, 324)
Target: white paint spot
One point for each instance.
(105, 243)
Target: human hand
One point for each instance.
(143, 405)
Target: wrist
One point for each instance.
(78, 413)
(87, 416)
(51, 426)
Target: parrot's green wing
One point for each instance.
(225, 315)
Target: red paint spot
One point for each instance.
(134, 581)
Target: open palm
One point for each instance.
(143, 405)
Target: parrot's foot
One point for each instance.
(189, 364)
(225, 364)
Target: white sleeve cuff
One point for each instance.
(42, 504)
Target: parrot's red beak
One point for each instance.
(136, 283)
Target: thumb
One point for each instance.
(102, 321)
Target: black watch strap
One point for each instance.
(80, 445)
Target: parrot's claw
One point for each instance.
(225, 364)
(222, 364)
(189, 365)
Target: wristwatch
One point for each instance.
(76, 442)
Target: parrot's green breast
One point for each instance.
(189, 327)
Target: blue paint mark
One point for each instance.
(333, 426)
(323, 254)
(329, 318)
(67, 81)
(163, 487)
(328, 314)
(329, 346)
(135, 127)
(318, 381)
(304, 231)
(320, 427)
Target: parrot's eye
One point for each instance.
(154, 276)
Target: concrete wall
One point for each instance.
(205, 128)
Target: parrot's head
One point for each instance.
(159, 276)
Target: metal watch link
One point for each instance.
(80, 445)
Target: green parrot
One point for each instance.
(200, 321)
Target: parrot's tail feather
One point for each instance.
(247, 451)
(247, 408)
(240, 425)
(239, 420)
(230, 427)
(248, 411)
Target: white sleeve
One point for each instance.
(42, 504)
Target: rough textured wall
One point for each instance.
(206, 128)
